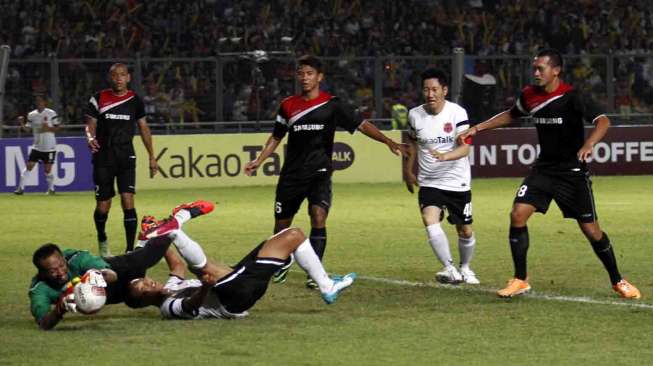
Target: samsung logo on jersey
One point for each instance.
(547, 121)
(437, 140)
(124, 117)
(307, 127)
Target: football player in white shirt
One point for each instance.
(444, 175)
(43, 122)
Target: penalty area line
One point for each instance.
(530, 295)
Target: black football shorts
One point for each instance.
(246, 284)
(46, 157)
(292, 191)
(122, 171)
(572, 192)
(457, 204)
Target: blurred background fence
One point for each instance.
(236, 93)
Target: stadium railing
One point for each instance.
(181, 94)
(235, 127)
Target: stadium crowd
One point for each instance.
(178, 92)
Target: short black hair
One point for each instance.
(432, 73)
(309, 60)
(43, 252)
(555, 58)
(135, 302)
(117, 65)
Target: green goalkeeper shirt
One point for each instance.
(42, 296)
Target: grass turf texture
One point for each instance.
(376, 231)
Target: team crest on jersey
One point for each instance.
(448, 127)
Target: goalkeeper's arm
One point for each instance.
(52, 318)
(99, 277)
(109, 275)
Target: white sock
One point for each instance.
(23, 176)
(466, 248)
(439, 244)
(50, 179)
(189, 249)
(310, 263)
(182, 216)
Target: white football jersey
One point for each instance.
(438, 132)
(210, 308)
(43, 140)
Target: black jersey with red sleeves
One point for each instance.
(116, 117)
(559, 118)
(311, 126)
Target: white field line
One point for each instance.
(530, 295)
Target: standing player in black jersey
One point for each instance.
(111, 116)
(560, 172)
(310, 120)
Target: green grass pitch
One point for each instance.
(376, 231)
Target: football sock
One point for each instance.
(318, 241)
(100, 223)
(439, 244)
(182, 216)
(21, 181)
(466, 248)
(189, 249)
(310, 263)
(519, 248)
(50, 179)
(130, 223)
(604, 251)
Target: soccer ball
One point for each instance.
(89, 299)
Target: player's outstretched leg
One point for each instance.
(330, 287)
(163, 228)
(189, 249)
(196, 208)
(605, 252)
(339, 284)
(293, 240)
(180, 215)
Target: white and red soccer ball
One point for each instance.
(89, 298)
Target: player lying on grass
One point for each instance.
(57, 268)
(228, 292)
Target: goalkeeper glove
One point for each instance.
(94, 277)
(66, 303)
